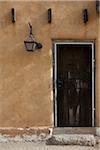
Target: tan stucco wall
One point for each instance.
(26, 78)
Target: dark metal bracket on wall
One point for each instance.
(85, 16)
(98, 6)
(13, 15)
(49, 15)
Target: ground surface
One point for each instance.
(41, 146)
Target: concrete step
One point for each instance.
(74, 130)
(72, 139)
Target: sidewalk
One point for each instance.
(41, 146)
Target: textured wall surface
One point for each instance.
(26, 78)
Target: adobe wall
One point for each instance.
(26, 98)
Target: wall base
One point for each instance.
(24, 134)
(98, 131)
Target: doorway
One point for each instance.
(74, 84)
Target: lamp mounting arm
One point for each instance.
(30, 28)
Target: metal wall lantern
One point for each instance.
(30, 43)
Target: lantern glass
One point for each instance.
(30, 44)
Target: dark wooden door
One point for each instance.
(74, 85)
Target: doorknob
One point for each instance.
(60, 83)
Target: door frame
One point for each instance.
(55, 74)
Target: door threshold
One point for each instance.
(74, 130)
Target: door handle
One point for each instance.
(60, 83)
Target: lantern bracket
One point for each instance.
(30, 43)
